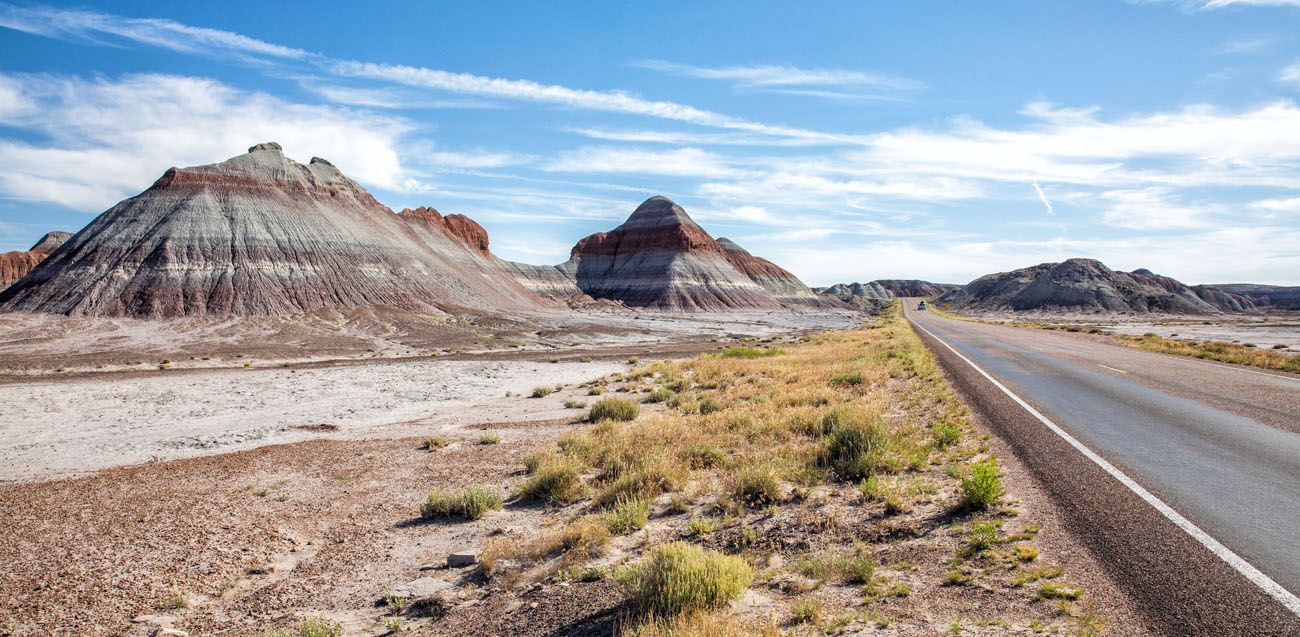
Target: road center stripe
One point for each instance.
(1247, 570)
(1107, 367)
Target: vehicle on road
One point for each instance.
(921, 306)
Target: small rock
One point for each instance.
(462, 558)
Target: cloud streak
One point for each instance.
(789, 79)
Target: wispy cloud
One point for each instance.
(1219, 4)
(71, 24)
(1290, 75)
(791, 79)
(686, 162)
(605, 101)
(1246, 45)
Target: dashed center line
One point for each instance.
(1112, 368)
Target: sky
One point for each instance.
(846, 141)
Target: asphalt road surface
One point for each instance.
(1183, 475)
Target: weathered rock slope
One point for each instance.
(779, 282)
(1086, 285)
(261, 234)
(15, 265)
(1277, 297)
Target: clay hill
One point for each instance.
(849, 291)
(261, 234)
(1276, 297)
(660, 258)
(1086, 285)
(914, 287)
(15, 265)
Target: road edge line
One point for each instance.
(1246, 569)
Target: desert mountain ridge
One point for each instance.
(263, 235)
(1088, 286)
(16, 264)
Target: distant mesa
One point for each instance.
(1088, 286)
(263, 235)
(15, 265)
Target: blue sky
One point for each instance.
(845, 141)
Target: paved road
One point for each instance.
(1218, 445)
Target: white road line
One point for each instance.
(1247, 570)
(1036, 347)
(1112, 368)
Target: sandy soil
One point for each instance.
(55, 428)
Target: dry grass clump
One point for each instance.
(553, 478)
(751, 352)
(628, 515)
(473, 503)
(698, 624)
(542, 391)
(678, 577)
(310, 627)
(435, 443)
(618, 409)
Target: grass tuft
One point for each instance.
(619, 409)
(678, 577)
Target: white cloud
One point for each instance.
(1290, 75)
(685, 162)
(785, 77)
(1149, 209)
(1042, 198)
(106, 139)
(92, 26)
(474, 159)
(1219, 4)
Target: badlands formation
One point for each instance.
(262, 235)
(1088, 286)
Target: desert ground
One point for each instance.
(232, 501)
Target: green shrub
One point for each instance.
(857, 443)
(554, 479)
(627, 515)
(851, 379)
(680, 577)
(574, 404)
(710, 405)
(542, 391)
(489, 439)
(613, 409)
(659, 395)
(807, 611)
(983, 486)
(757, 486)
(945, 434)
(704, 526)
(596, 390)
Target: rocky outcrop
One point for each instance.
(261, 234)
(1086, 285)
(914, 287)
(1274, 297)
(15, 265)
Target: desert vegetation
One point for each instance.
(837, 479)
